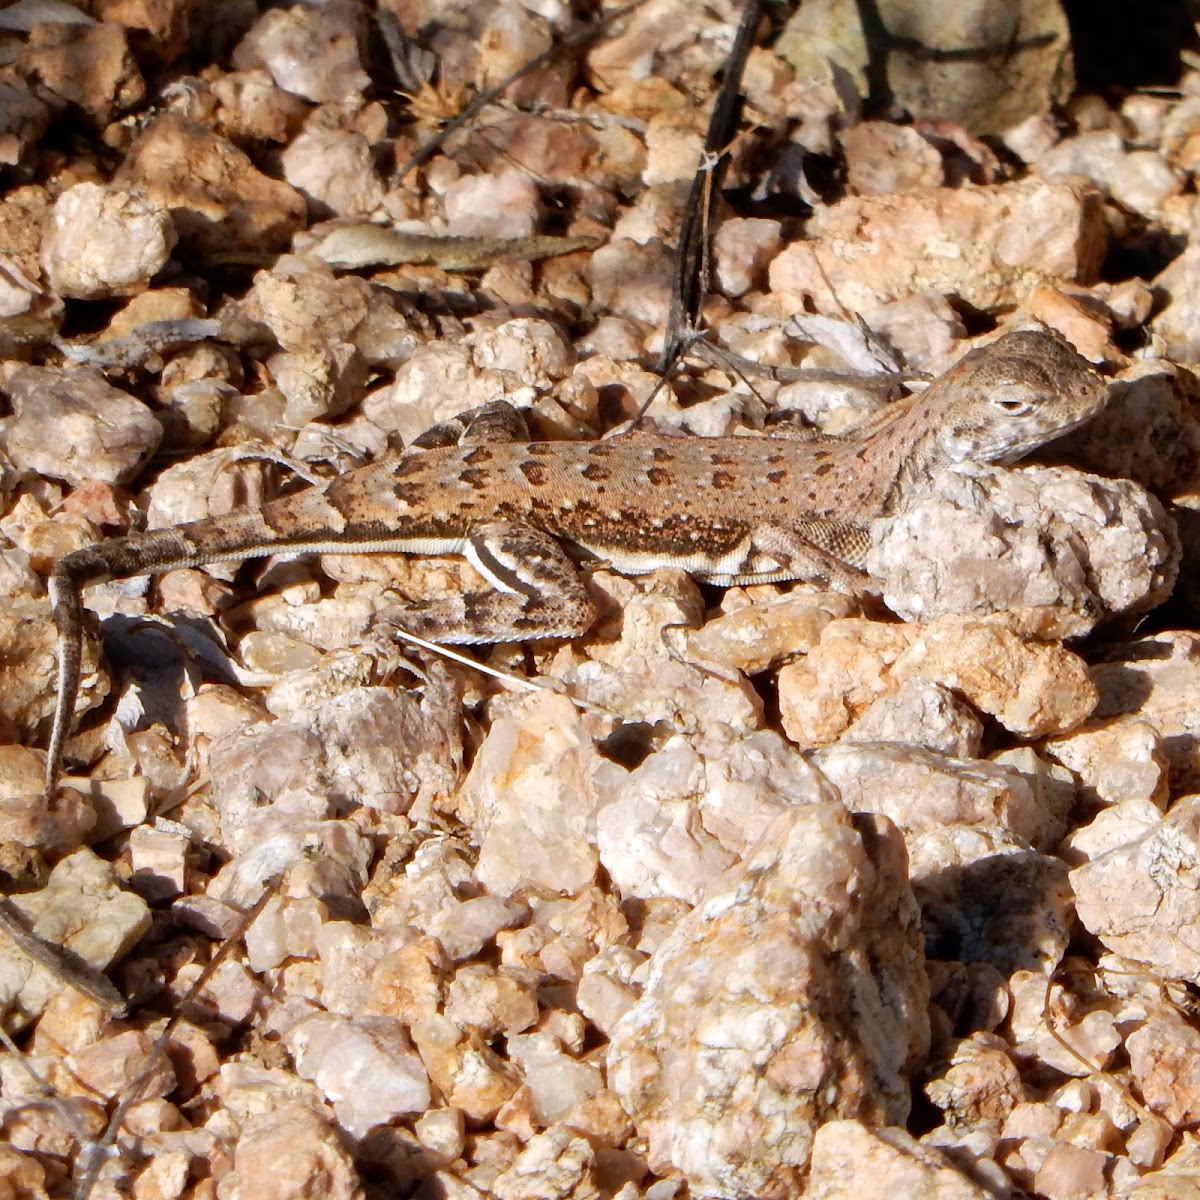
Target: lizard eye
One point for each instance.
(1013, 401)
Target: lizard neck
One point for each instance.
(894, 456)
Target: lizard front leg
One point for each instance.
(824, 553)
(538, 593)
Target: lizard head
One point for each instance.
(1011, 397)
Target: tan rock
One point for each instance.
(110, 1065)
(758, 635)
(492, 1002)
(158, 857)
(843, 674)
(845, 1153)
(87, 65)
(511, 37)
(334, 169)
(1179, 1178)
(467, 1072)
(883, 158)
(407, 983)
(920, 714)
(743, 972)
(991, 246)
(23, 120)
(218, 201)
(83, 909)
(291, 1150)
(1158, 678)
(1052, 1027)
(23, 1174)
(28, 819)
(980, 1086)
(742, 248)
(1147, 431)
(1069, 1172)
(1114, 762)
(674, 145)
(160, 25)
(557, 1163)
(632, 280)
(1032, 689)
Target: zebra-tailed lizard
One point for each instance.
(730, 510)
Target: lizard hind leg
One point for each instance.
(498, 421)
(538, 593)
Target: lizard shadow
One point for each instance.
(161, 659)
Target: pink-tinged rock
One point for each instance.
(1070, 1172)
(335, 170)
(557, 1081)
(923, 791)
(803, 965)
(74, 425)
(506, 204)
(105, 242)
(310, 52)
(291, 1152)
(532, 795)
(1141, 908)
(1059, 550)
(366, 1068)
(110, 1066)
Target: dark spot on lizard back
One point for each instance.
(776, 476)
(534, 472)
(722, 480)
(596, 473)
(823, 469)
(661, 454)
(478, 457)
(660, 477)
(474, 478)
